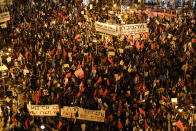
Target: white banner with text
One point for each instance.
(4, 17)
(43, 110)
(134, 29)
(106, 28)
(83, 114)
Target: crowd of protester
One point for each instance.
(50, 41)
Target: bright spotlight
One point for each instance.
(114, 5)
(180, 110)
(9, 49)
(42, 127)
(7, 53)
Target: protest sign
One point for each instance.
(174, 100)
(4, 17)
(106, 28)
(134, 29)
(43, 110)
(83, 114)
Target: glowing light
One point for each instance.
(180, 110)
(114, 5)
(42, 127)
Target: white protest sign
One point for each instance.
(83, 114)
(4, 17)
(174, 100)
(106, 28)
(43, 110)
(133, 29)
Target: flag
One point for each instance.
(99, 80)
(158, 111)
(68, 127)
(160, 29)
(120, 107)
(26, 124)
(37, 96)
(61, 14)
(144, 60)
(179, 125)
(142, 111)
(78, 95)
(63, 42)
(144, 87)
(119, 124)
(57, 96)
(90, 57)
(106, 45)
(114, 97)
(121, 75)
(138, 92)
(82, 84)
(57, 52)
(105, 92)
(101, 91)
(82, 89)
(79, 66)
(30, 47)
(192, 50)
(26, 55)
(142, 46)
(163, 97)
(95, 93)
(93, 68)
(64, 53)
(74, 48)
(152, 112)
(53, 51)
(182, 82)
(60, 124)
(140, 85)
(81, 76)
(13, 120)
(110, 60)
(76, 37)
(68, 75)
(152, 46)
(131, 43)
(135, 117)
(108, 82)
(49, 84)
(111, 39)
(146, 126)
(83, 62)
(111, 117)
(137, 45)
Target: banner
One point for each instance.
(134, 29)
(83, 114)
(106, 28)
(43, 110)
(4, 17)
